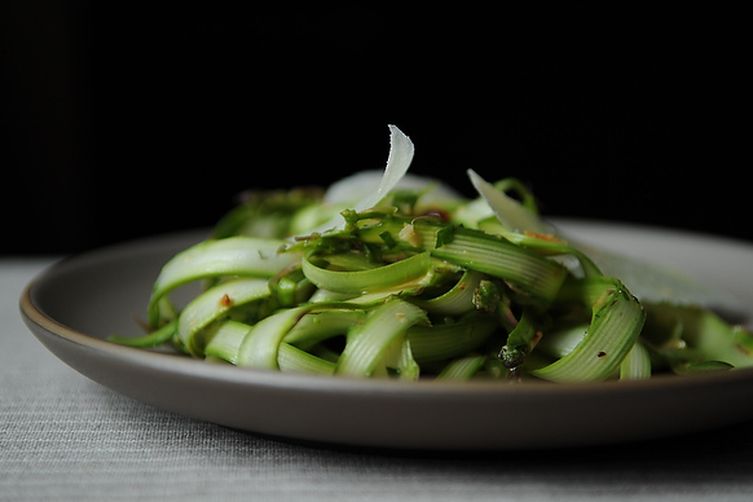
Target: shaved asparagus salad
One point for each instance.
(399, 277)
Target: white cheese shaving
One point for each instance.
(398, 162)
(510, 213)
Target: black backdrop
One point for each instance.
(128, 119)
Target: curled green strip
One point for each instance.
(212, 305)
(459, 299)
(153, 339)
(368, 344)
(260, 346)
(637, 364)
(462, 369)
(535, 275)
(445, 341)
(617, 320)
(365, 281)
(235, 256)
(315, 327)
(291, 359)
(225, 340)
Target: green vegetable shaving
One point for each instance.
(408, 281)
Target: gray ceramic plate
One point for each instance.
(76, 303)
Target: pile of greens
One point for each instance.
(417, 282)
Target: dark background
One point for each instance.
(128, 119)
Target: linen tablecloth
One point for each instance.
(63, 437)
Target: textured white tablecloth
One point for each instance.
(63, 437)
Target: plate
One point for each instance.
(76, 303)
